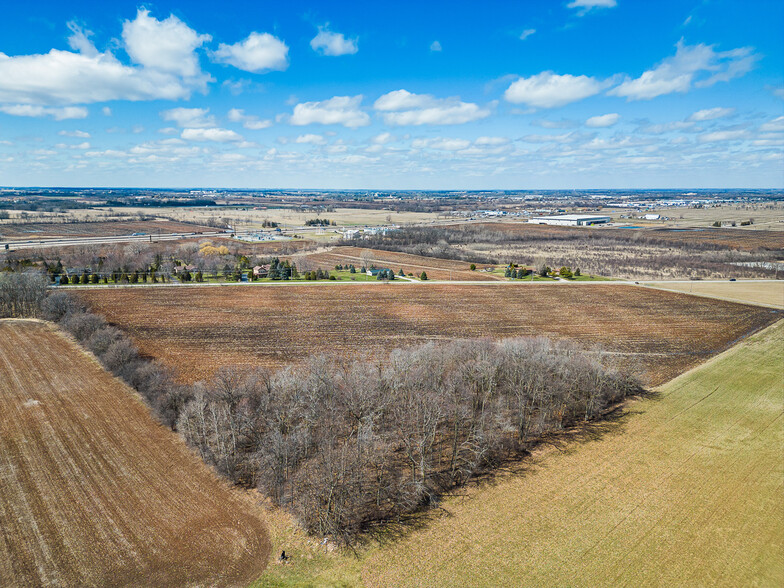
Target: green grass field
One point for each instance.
(684, 489)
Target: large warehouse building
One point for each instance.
(570, 219)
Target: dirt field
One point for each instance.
(93, 492)
(249, 217)
(198, 329)
(436, 269)
(27, 231)
(731, 238)
(767, 293)
(685, 490)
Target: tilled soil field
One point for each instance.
(196, 330)
(93, 492)
(96, 229)
(435, 268)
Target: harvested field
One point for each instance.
(684, 490)
(29, 231)
(436, 269)
(766, 293)
(730, 238)
(198, 329)
(93, 492)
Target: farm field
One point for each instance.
(768, 293)
(684, 490)
(288, 218)
(436, 269)
(198, 329)
(732, 238)
(94, 492)
(29, 231)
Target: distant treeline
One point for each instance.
(160, 202)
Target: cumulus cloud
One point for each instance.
(526, 33)
(259, 53)
(585, 6)
(681, 71)
(604, 120)
(441, 144)
(339, 110)
(711, 114)
(213, 134)
(725, 135)
(164, 45)
(435, 46)
(163, 51)
(311, 139)
(402, 107)
(189, 117)
(551, 90)
(63, 113)
(78, 134)
(254, 123)
(333, 44)
(773, 126)
(383, 138)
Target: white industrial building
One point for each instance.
(570, 219)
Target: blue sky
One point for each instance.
(404, 95)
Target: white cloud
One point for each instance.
(441, 144)
(259, 53)
(401, 107)
(526, 33)
(168, 45)
(311, 139)
(555, 124)
(773, 126)
(435, 46)
(168, 68)
(78, 134)
(66, 112)
(778, 92)
(727, 135)
(491, 141)
(333, 44)
(585, 6)
(550, 90)
(661, 128)
(678, 73)
(254, 123)
(604, 120)
(106, 111)
(383, 138)
(213, 134)
(84, 145)
(339, 110)
(189, 117)
(711, 114)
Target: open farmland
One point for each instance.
(93, 492)
(684, 490)
(95, 229)
(198, 329)
(765, 293)
(744, 239)
(436, 269)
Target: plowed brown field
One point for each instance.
(436, 269)
(198, 329)
(93, 492)
(735, 238)
(95, 229)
